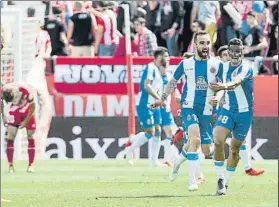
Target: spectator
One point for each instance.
(169, 17)
(195, 27)
(82, 27)
(56, 31)
(255, 41)
(43, 43)
(147, 42)
(185, 32)
(207, 12)
(223, 53)
(227, 29)
(121, 48)
(106, 38)
(120, 16)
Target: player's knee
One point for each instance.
(150, 131)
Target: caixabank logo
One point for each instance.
(102, 138)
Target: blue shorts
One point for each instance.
(192, 116)
(148, 118)
(238, 123)
(167, 117)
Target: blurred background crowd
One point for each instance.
(96, 28)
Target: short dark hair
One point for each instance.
(222, 49)
(251, 13)
(202, 32)
(160, 51)
(7, 95)
(235, 41)
(56, 10)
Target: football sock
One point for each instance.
(219, 166)
(155, 146)
(10, 151)
(198, 170)
(31, 151)
(229, 173)
(167, 144)
(193, 158)
(244, 156)
(139, 140)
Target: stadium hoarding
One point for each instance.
(100, 83)
(101, 138)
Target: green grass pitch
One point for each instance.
(112, 183)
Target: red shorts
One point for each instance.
(17, 116)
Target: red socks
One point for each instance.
(10, 152)
(31, 151)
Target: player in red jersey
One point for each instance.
(20, 115)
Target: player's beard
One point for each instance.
(204, 53)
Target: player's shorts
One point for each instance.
(167, 117)
(192, 116)
(17, 116)
(238, 123)
(149, 118)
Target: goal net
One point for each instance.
(19, 65)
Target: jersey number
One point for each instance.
(224, 119)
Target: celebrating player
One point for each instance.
(196, 111)
(244, 154)
(236, 114)
(21, 115)
(151, 88)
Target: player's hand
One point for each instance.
(246, 50)
(213, 101)
(157, 104)
(216, 86)
(22, 125)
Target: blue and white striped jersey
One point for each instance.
(151, 72)
(241, 98)
(196, 77)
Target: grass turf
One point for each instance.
(113, 183)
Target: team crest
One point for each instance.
(201, 83)
(189, 117)
(213, 70)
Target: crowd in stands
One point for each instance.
(96, 28)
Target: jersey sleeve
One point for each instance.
(179, 71)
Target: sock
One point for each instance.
(244, 156)
(193, 158)
(167, 144)
(155, 147)
(139, 140)
(229, 173)
(182, 157)
(198, 170)
(219, 166)
(10, 151)
(31, 151)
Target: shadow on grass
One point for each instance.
(157, 196)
